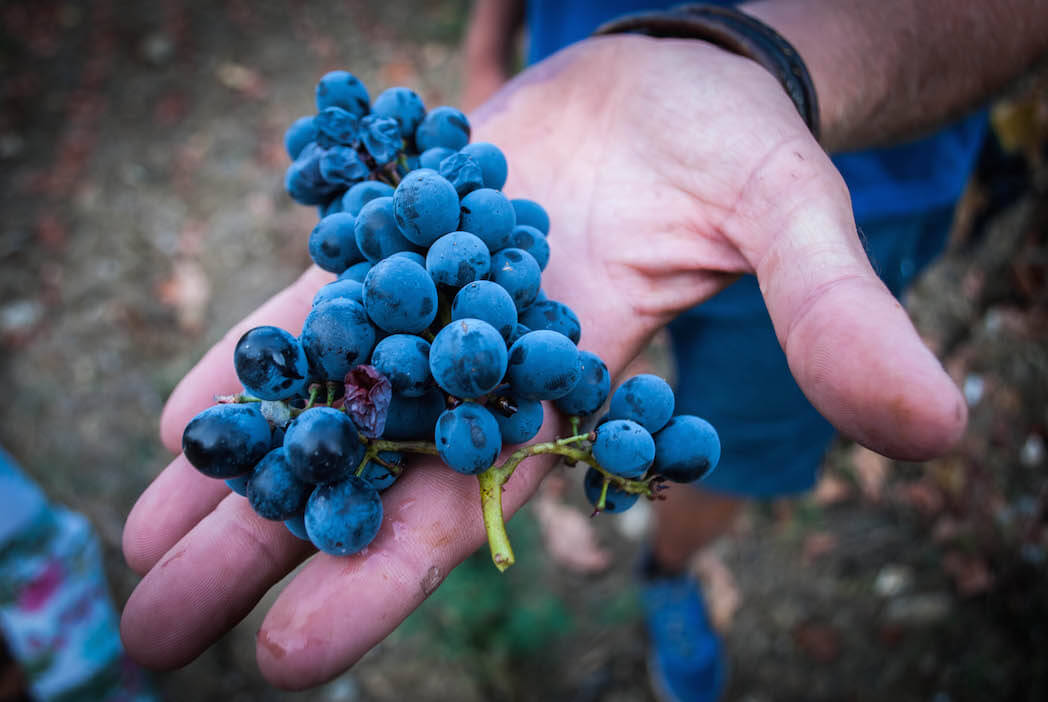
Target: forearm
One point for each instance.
(489, 47)
(889, 69)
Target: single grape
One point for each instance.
(686, 449)
(400, 296)
(342, 89)
(533, 241)
(462, 172)
(531, 213)
(362, 193)
(357, 272)
(303, 180)
(225, 441)
(591, 391)
(442, 126)
(488, 214)
(523, 424)
(624, 448)
(402, 105)
(457, 259)
(300, 133)
(413, 418)
(239, 484)
(615, 500)
(468, 358)
(271, 364)
(404, 359)
(518, 273)
(379, 476)
(297, 526)
(337, 336)
(519, 330)
(377, 233)
(468, 438)
(488, 301)
(342, 167)
(426, 206)
(322, 445)
(344, 517)
(274, 491)
(339, 289)
(333, 206)
(431, 158)
(552, 315)
(646, 399)
(335, 126)
(413, 256)
(333, 244)
(543, 365)
(491, 161)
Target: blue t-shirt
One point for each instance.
(911, 178)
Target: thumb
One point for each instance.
(850, 344)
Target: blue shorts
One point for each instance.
(733, 372)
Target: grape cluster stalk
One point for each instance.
(435, 338)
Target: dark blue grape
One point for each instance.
(411, 163)
(381, 138)
(488, 301)
(462, 172)
(239, 484)
(274, 491)
(342, 89)
(519, 330)
(431, 158)
(334, 206)
(404, 106)
(271, 364)
(404, 359)
(554, 316)
(364, 192)
(686, 449)
(337, 336)
(491, 161)
(615, 500)
(531, 213)
(400, 296)
(303, 180)
(379, 476)
(426, 206)
(344, 517)
(336, 127)
(412, 418)
(225, 441)
(357, 272)
(300, 133)
(517, 272)
(488, 214)
(333, 244)
(624, 448)
(468, 358)
(468, 438)
(413, 256)
(646, 399)
(591, 391)
(377, 233)
(457, 259)
(523, 424)
(543, 365)
(297, 526)
(343, 288)
(322, 445)
(342, 166)
(533, 241)
(443, 126)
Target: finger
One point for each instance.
(172, 505)
(336, 609)
(214, 374)
(849, 343)
(208, 581)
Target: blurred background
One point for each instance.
(141, 163)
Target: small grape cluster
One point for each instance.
(436, 338)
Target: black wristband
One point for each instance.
(736, 32)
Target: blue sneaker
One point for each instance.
(686, 661)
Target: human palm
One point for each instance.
(668, 168)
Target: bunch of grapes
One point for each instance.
(435, 338)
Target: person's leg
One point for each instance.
(685, 522)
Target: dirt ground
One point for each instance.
(143, 213)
